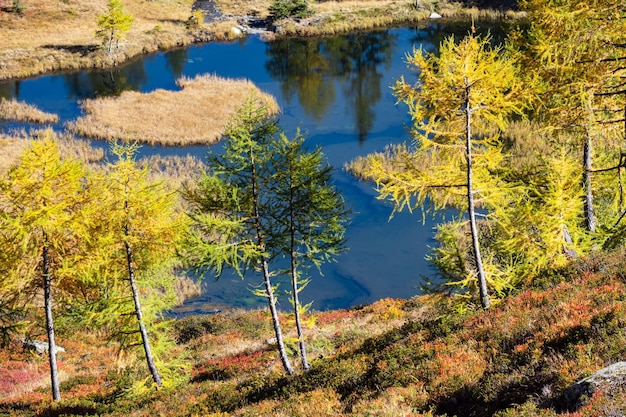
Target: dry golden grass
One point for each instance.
(51, 35)
(186, 288)
(244, 7)
(11, 147)
(197, 114)
(175, 170)
(22, 112)
(71, 147)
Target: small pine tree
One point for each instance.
(282, 9)
(228, 207)
(309, 216)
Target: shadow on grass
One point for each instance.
(82, 50)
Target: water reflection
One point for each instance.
(10, 89)
(302, 69)
(307, 68)
(337, 90)
(175, 61)
(362, 59)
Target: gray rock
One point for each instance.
(435, 15)
(610, 377)
(39, 346)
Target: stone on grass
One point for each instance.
(39, 346)
(606, 379)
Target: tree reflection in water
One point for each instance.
(308, 68)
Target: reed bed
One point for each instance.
(197, 114)
(19, 111)
(12, 145)
(393, 159)
(71, 147)
(186, 289)
(174, 170)
(11, 148)
(51, 35)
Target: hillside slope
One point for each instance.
(392, 358)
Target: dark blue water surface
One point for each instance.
(337, 90)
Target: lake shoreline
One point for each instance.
(80, 54)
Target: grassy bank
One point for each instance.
(50, 36)
(23, 112)
(197, 114)
(12, 145)
(417, 357)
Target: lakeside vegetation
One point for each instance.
(170, 118)
(47, 36)
(417, 357)
(23, 112)
(551, 236)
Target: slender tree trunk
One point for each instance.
(142, 326)
(138, 312)
(271, 299)
(111, 42)
(590, 220)
(294, 281)
(47, 294)
(482, 279)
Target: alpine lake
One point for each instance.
(337, 90)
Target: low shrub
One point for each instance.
(282, 9)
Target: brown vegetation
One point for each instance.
(10, 149)
(393, 358)
(198, 114)
(12, 146)
(19, 111)
(175, 170)
(49, 36)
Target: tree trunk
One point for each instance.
(133, 286)
(482, 279)
(142, 326)
(590, 220)
(275, 321)
(294, 282)
(111, 42)
(265, 270)
(47, 294)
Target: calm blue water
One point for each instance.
(337, 90)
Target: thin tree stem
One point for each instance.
(294, 277)
(482, 279)
(265, 270)
(138, 312)
(52, 350)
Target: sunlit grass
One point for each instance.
(11, 148)
(50, 36)
(198, 114)
(175, 169)
(20, 111)
(391, 358)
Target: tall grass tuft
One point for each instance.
(19, 111)
(174, 170)
(198, 114)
